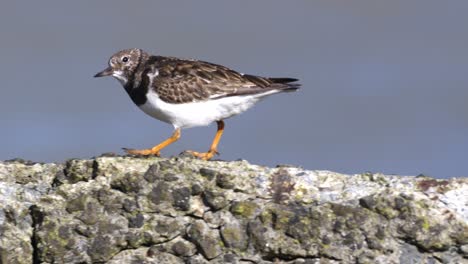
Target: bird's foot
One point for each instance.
(144, 152)
(203, 155)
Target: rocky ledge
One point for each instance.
(182, 210)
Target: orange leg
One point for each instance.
(213, 149)
(156, 149)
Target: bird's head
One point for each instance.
(123, 64)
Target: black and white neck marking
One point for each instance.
(138, 85)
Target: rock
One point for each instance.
(115, 209)
(181, 198)
(225, 181)
(77, 170)
(182, 248)
(207, 240)
(22, 184)
(144, 255)
(216, 200)
(245, 209)
(234, 236)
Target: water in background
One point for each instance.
(384, 83)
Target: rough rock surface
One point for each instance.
(182, 210)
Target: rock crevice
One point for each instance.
(182, 210)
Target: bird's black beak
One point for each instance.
(107, 72)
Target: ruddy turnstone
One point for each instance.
(188, 93)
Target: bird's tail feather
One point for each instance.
(286, 84)
(283, 80)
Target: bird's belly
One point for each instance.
(197, 113)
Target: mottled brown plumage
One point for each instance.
(189, 93)
(183, 81)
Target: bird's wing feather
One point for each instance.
(182, 81)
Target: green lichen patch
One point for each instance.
(206, 240)
(388, 207)
(234, 236)
(77, 204)
(184, 210)
(78, 170)
(281, 218)
(245, 209)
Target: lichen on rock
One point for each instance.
(183, 210)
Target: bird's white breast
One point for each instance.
(203, 113)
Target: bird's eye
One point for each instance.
(125, 59)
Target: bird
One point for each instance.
(188, 93)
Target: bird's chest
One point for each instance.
(194, 114)
(138, 97)
(157, 108)
(139, 85)
(137, 94)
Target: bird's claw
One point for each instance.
(203, 155)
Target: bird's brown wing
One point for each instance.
(183, 81)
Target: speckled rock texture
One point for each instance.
(183, 210)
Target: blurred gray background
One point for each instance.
(385, 83)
